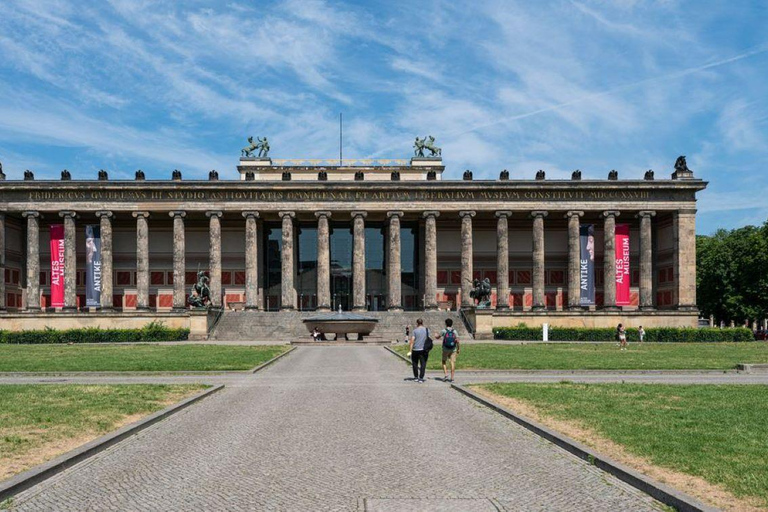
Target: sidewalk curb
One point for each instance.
(665, 494)
(401, 356)
(273, 360)
(38, 474)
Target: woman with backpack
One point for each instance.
(450, 348)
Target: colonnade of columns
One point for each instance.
(682, 222)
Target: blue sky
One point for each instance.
(554, 85)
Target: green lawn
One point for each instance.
(146, 358)
(717, 432)
(603, 356)
(39, 421)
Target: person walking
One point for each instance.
(419, 350)
(621, 335)
(450, 348)
(641, 333)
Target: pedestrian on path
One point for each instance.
(450, 348)
(641, 333)
(621, 335)
(418, 350)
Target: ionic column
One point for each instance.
(288, 300)
(430, 260)
(323, 261)
(609, 260)
(684, 229)
(214, 232)
(2, 262)
(251, 260)
(142, 261)
(394, 270)
(33, 260)
(466, 257)
(574, 260)
(539, 300)
(70, 261)
(646, 260)
(179, 260)
(502, 260)
(358, 261)
(105, 231)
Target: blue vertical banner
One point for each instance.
(92, 266)
(587, 265)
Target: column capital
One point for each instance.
(177, 213)
(30, 213)
(611, 213)
(394, 214)
(140, 214)
(214, 213)
(67, 213)
(539, 213)
(431, 213)
(250, 213)
(323, 213)
(645, 213)
(358, 213)
(104, 213)
(467, 213)
(286, 214)
(504, 213)
(574, 213)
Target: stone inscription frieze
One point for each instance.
(344, 195)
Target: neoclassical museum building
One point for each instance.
(383, 235)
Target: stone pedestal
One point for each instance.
(251, 260)
(33, 260)
(646, 261)
(70, 261)
(105, 229)
(609, 261)
(179, 261)
(466, 258)
(142, 260)
(288, 299)
(430, 260)
(214, 231)
(502, 260)
(394, 270)
(323, 262)
(574, 260)
(358, 261)
(539, 300)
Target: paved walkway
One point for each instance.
(334, 428)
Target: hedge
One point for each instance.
(660, 334)
(151, 332)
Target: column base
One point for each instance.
(251, 308)
(577, 308)
(539, 308)
(395, 308)
(287, 308)
(359, 308)
(430, 307)
(143, 308)
(69, 309)
(178, 309)
(502, 307)
(647, 308)
(611, 308)
(106, 309)
(323, 309)
(687, 308)
(33, 309)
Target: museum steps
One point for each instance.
(287, 326)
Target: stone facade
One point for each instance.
(522, 235)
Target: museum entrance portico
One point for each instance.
(283, 245)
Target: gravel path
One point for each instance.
(334, 428)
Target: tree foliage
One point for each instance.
(732, 274)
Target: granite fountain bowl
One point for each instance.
(342, 323)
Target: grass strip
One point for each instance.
(40, 421)
(716, 432)
(139, 357)
(603, 356)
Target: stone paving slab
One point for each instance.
(324, 429)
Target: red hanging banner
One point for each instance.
(622, 264)
(57, 265)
